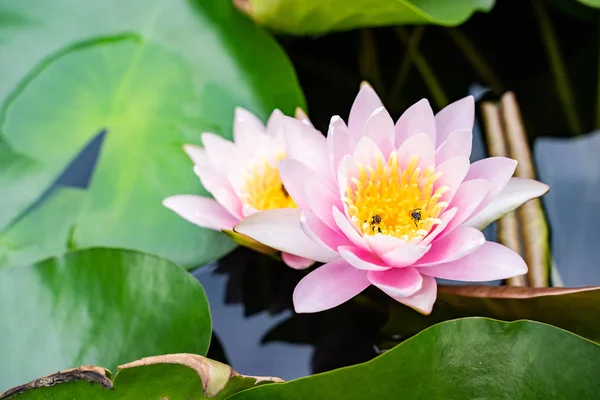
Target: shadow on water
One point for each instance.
(251, 302)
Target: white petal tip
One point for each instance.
(169, 202)
(277, 111)
(424, 311)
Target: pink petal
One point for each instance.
(293, 174)
(320, 201)
(490, 262)
(381, 244)
(245, 117)
(514, 194)
(423, 300)
(497, 170)
(460, 242)
(446, 217)
(197, 154)
(367, 152)
(395, 252)
(320, 233)
(364, 105)
(248, 210)
(453, 173)
(455, 116)
(467, 199)
(202, 211)
(246, 127)
(218, 185)
(362, 259)
(397, 282)
(275, 127)
(458, 144)
(348, 229)
(220, 152)
(274, 122)
(417, 145)
(339, 141)
(280, 229)
(296, 262)
(306, 145)
(406, 255)
(328, 286)
(417, 119)
(346, 170)
(380, 128)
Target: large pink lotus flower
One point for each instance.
(243, 176)
(395, 205)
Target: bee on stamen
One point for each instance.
(376, 220)
(416, 216)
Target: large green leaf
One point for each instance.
(321, 16)
(152, 74)
(591, 3)
(573, 309)
(174, 376)
(97, 307)
(22, 243)
(473, 358)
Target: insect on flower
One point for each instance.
(416, 216)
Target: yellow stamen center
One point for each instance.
(264, 189)
(390, 201)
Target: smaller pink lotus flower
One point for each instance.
(243, 177)
(395, 205)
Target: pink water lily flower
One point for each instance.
(395, 205)
(243, 175)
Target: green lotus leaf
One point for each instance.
(97, 307)
(471, 358)
(152, 75)
(173, 376)
(317, 17)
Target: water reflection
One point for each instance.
(251, 303)
(240, 328)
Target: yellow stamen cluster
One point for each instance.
(264, 189)
(388, 200)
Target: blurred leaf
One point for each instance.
(23, 243)
(153, 75)
(316, 17)
(173, 376)
(474, 358)
(572, 309)
(591, 3)
(576, 9)
(97, 306)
